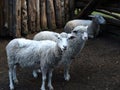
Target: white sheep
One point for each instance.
(93, 25)
(44, 54)
(75, 45)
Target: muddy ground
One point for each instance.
(96, 68)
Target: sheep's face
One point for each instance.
(63, 41)
(99, 19)
(80, 31)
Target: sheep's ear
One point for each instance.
(86, 27)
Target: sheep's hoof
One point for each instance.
(67, 77)
(35, 75)
(16, 81)
(50, 87)
(11, 87)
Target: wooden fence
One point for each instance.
(19, 17)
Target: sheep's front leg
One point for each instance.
(50, 80)
(11, 85)
(44, 72)
(66, 72)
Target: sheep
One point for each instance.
(45, 54)
(93, 25)
(48, 35)
(75, 45)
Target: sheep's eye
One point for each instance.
(72, 37)
(59, 38)
(74, 31)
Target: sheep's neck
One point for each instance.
(58, 51)
(95, 26)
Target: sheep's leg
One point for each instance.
(50, 80)
(66, 72)
(35, 75)
(44, 72)
(14, 75)
(11, 85)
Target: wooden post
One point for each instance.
(37, 15)
(14, 19)
(18, 18)
(58, 13)
(72, 8)
(50, 14)
(32, 15)
(43, 14)
(1, 18)
(10, 17)
(63, 11)
(66, 5)
(4, 18)
(24, 18)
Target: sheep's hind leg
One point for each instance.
(14, 75)
(11, 85)
(44, 72)
(50, 80)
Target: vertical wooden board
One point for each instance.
(32, 15)
(58, 13)
(63, 12)
(66, 6)
(72, 8)
(50, 14)
(18, 18)
(14, 18)
(5, 16)
(43, 17)
(10, 14)
(24, 18)
(37, 15)
(1, 20)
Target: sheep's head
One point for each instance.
(80, 31)
(63, 41)
(98, 19)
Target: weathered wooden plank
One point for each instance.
(63, 11)
(58, 13)
(18, 18)
(43, 14)
(38, 15)
(24, 18)
(50, 14)
(72, 8)
(66, 6)
(32, 15)
(10, 18)
(108, 13)
(14, 18)
(1, 17)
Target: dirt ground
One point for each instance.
(96, 68)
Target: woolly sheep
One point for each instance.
(75, 45)
(30, 53)
(93, 25)
(48, 35)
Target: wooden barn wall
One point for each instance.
(20, 17)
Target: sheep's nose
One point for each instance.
(65, 47)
